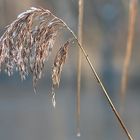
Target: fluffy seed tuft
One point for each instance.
(28, 41)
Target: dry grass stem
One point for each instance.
(106, 95)
(80, 38)
(129, 47)
(27, 44)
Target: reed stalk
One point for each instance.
(80, 38)
(128, 53)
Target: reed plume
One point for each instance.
(27, 44)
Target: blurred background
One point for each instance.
(28, 116)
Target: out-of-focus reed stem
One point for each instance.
(80, 38)
(129, 47)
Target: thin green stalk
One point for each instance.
(80, 38)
